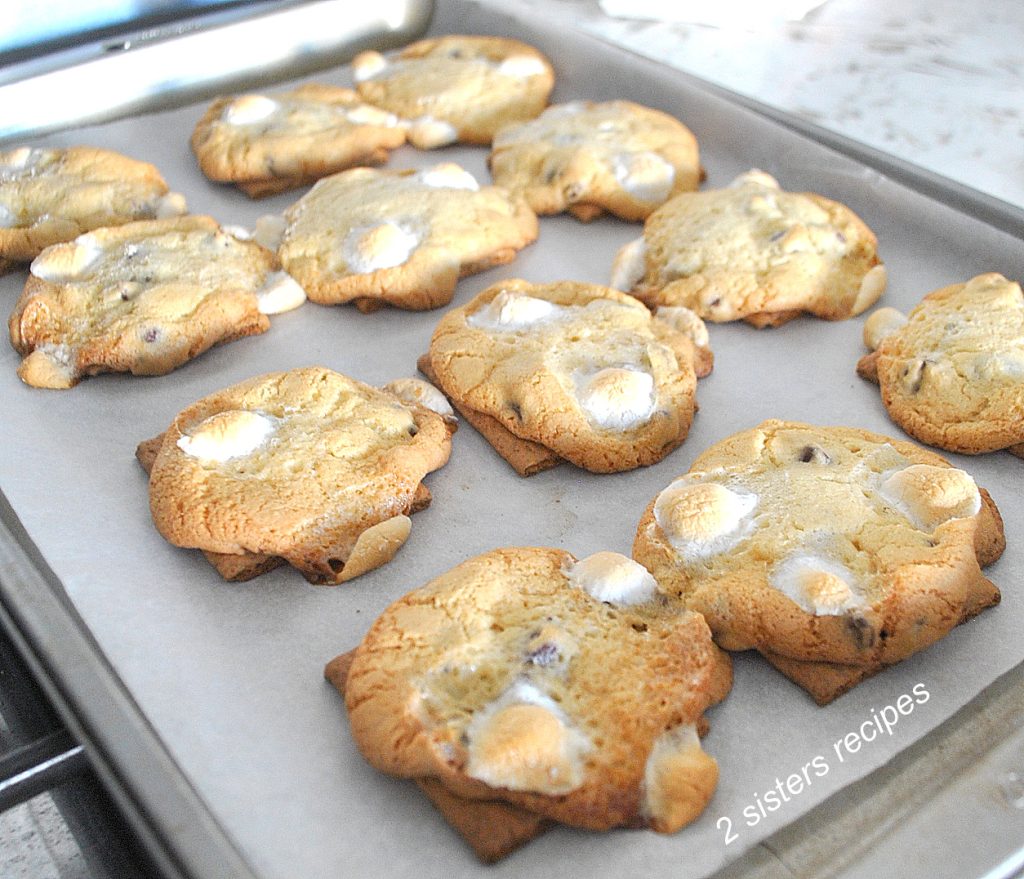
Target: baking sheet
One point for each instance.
(229, 675)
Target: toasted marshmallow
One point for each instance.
(370, 248)
(365, 114)
(510, 311)
(616, 398)
(66, 262)
(420, 393)
(929, 496)
(427, 133)
(18, 162)
(171, 205)
(882, 323)
(818, 585)
(448, 176)
(630, 265)
(613, 578)
(679, 779)
(367, 65)
(227, 435)
(269, 231)
(522, 66)
(754, 177)
(8, 219)
(249, 109)
(684, 321)
(280, 292)
(872, 286)
(704, 518)
(646, 176)
(522, 741)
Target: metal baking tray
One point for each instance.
(202, 702)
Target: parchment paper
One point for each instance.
(230, 675)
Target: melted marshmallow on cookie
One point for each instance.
(613, 578)
(227, 435)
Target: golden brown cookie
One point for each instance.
(587, 158)
(401, 238)
(499, 657)
(830, 545)
(307, 466)
(50, 195)
(144, 298)
(266, 144)
(951, 372)
(754, 252)
(457, 88)
(579, 369)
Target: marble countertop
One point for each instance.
(939, 83)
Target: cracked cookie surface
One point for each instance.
(307, 465)
(456, 88)
(581, 369)
(485, 679)
(587, 158)
(268, 143)
(50, 195)
(825, 544)
(144, 298)
(951, 372)
(754, 252)
(401, 238)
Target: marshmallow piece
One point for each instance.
(8, 219)
(929, 496)
(817, 585)
(616, 398)
(66, 262)
(754, 177)
(522, 66)
(227, 435)
(420, 393)
(21, 160)
(370, 248)
(448, 176)
(367, 65)
(882, 323)
(269, 231)
(684, 321)
(522, 741)
(646, 175)
(427, 133)
(51, 366)
(630, 265)
(280, 292)
(993, 366)
(510, 311)
(613, 578)
(679, 779)
(171, 205)
(249, 109)
(703, 518)
(365, 114)
(872, 285)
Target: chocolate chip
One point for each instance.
(574, 192)
(814, 455)
(778, 235)
(413, 430)
(151, 335)
(639, 627)
(913, 375)
(861, 631)
(544, 655)
(841, 237)
(515, 410)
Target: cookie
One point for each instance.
(580, 370)
(401, 238)
(306, 466)
(500, 656)
(456, 88)
(951, 372)
(266, 144)
(48, 196)
(754, 252)
(823, 545)
(144, 298)
(587, 158)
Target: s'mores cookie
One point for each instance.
(587, 158)
(829, 550)
(754, 252)
(50, 195)
(401, 238)
(951, 372)
(457, 88)
(500, 656)
(143, 298)
(574, 371)
(266, 144)
(306, 467)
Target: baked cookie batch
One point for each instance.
(526, 687)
